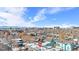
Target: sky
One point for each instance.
(39, 16)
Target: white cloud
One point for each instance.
(13, 17)
(39, 16)
(11, 20)
(13, 10)
(54, 10)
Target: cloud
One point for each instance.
(11, 20)
(54, 10)
(13, 16)
(19, 11)
(40, 15)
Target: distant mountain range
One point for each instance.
(17, 27)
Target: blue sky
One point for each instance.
(39, 16)
(62, 16)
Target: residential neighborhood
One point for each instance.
(39, 39)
